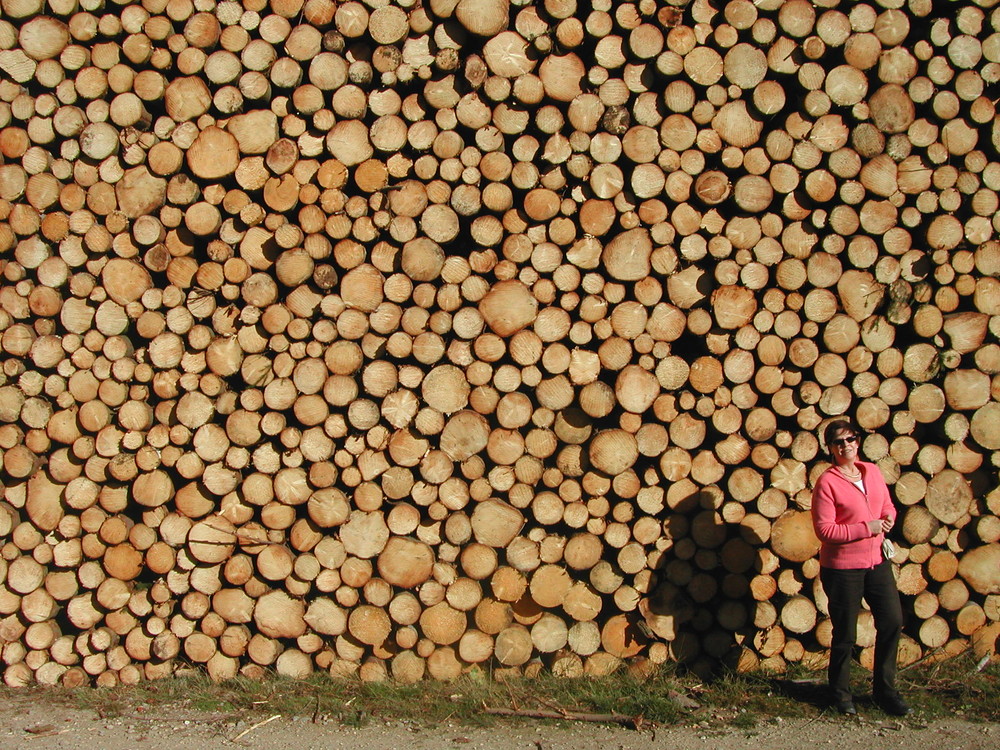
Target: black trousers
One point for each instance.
(844, 589)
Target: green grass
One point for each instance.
(955, 688)
(951, 689)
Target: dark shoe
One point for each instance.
(846, 708)
(893, 704)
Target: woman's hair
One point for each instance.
(838, 425)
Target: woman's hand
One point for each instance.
(887, 524)
(875, 526)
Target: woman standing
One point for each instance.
(851, 512)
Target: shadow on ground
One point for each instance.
(810, 692)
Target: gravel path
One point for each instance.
(33, 724)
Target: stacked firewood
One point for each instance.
(400, 339)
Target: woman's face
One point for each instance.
(844, 446)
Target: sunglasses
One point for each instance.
(844, 440)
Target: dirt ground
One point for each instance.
(34, 724)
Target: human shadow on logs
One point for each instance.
(668, 608)
(701, 606)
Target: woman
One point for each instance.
(851, 512)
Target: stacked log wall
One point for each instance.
(401, 339)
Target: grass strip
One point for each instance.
(955, 688)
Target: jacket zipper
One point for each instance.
(875, 546)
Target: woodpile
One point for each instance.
(399, 339)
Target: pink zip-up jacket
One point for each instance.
(840, 515)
